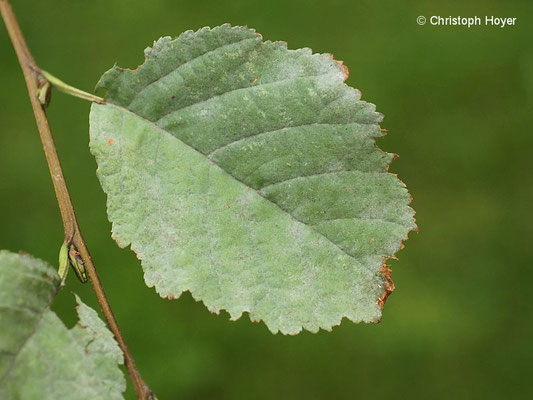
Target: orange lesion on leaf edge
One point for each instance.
(388, 285)
(385, 270)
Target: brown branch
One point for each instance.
(70, 224)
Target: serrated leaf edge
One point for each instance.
(385, 269)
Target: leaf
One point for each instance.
(248, 174)
(39, 357)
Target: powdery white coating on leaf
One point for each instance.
(248, 174)
(39, 357)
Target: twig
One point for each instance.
(70, 224)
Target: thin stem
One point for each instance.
(70, 224)
(66, 88)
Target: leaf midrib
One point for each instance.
(158, 128)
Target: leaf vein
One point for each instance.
(323, 174)
(125, 110)
(359, 219)
(182, 66)
(279, 130)
(260, 85)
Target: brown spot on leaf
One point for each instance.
(344, 69)
(388, 285)
(341, 65)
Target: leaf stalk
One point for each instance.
(71, 90)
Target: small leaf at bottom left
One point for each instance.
(39, 357)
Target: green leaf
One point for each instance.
(248, 174)
(39, 357)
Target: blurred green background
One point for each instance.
(458, 104)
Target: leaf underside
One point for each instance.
(39, 357)
(248, 174)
